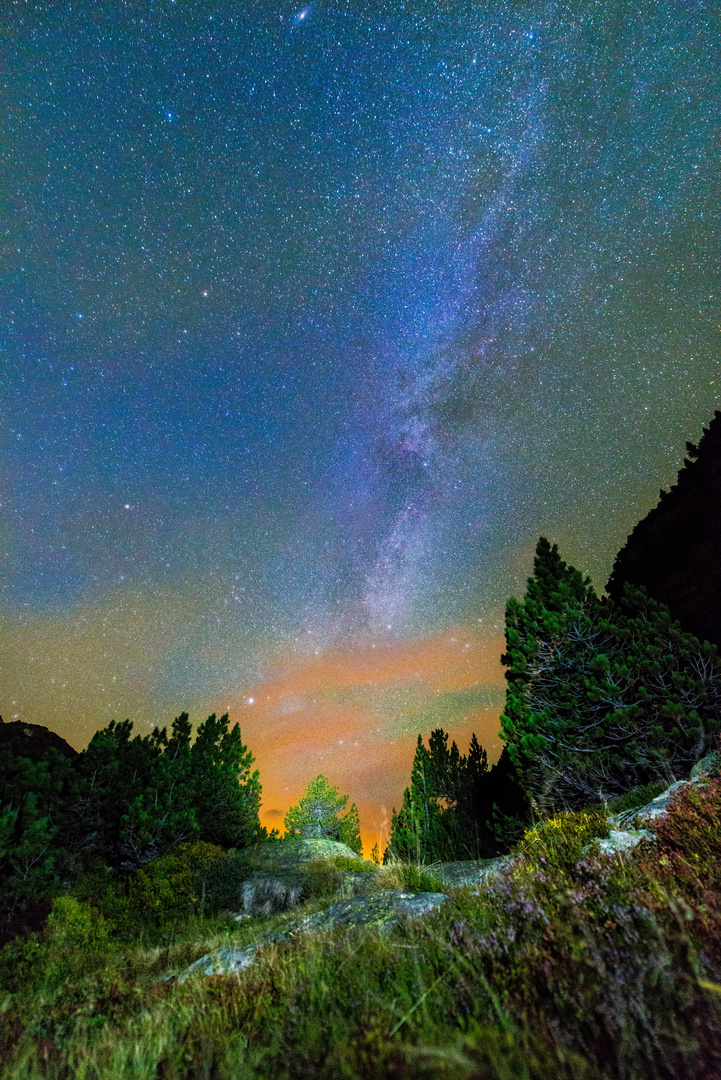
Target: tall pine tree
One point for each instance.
(602, 696)
(456, 807)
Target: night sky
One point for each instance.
(313, 320)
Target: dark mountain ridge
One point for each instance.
(675, 551)
(32, 740)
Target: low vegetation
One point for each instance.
(571, 964)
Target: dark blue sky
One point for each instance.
(315, 317)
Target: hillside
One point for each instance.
(577, 960)
(675, 551)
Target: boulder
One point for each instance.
(652, 810)
(380, 911)
(276, 855)
(263, 894)
(621, 840)
(281, 874)
(224, 961)
(657, 807)
(470, 872)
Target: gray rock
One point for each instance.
(265, 895)
(224, 961)
(378, 910)
(278, 855)
(278, 874)
(654, 809)
(470, 872)
(708, 766)
(624, 840)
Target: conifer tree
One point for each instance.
(349, 832)
(602, 696)
(456, 807)
(136, 798)
(318, 815)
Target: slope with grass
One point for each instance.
(570, 963)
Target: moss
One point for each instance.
(635, 798)
(561, 840)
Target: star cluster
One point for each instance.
(316, 316)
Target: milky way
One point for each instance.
(315, 317)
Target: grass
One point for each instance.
(571, 965)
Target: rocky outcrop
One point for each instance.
(380, 911)
(652, 810)
(265, 895)
(457, 875)
(657, 807)
(281, 874)
(283, 855)
(627, 828)
(623, 840)
(224, 961)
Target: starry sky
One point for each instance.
(314, 318)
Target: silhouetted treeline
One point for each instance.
(122, 803)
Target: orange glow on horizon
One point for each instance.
(326, 713)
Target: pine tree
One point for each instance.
(556, 598)
(136, 798)
(226, 793)
(318, 815)
(349, 832)
(447, 812)
(602, 696)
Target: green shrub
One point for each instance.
(560, 840)
(417, 879)
(174, 887)
(72, 923)
(224, 880)
(22, 962)
(356, 866)
(156, 897)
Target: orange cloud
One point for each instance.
(331, 714)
